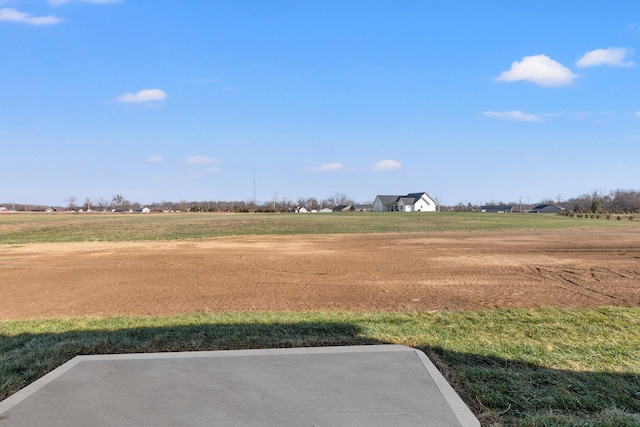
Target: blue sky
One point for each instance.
(164, 100)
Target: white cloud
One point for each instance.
(14, 15)
(637, 114)
(199, 160)
(516, 116)
(578, 115)
(208, 80)
(59, 2)
(327, 167)
(538, 69)
(330, 167)
(613, 56)
(634, 29)
(154, 159)
(386, 165)
(145, 95)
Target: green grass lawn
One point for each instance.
(543, 367)
(56, 228)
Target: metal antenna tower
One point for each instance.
(254, 187)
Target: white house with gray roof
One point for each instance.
(412, 202)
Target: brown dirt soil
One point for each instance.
(363, 272)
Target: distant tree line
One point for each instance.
(615, 201)
(119, 203)
(276, 204)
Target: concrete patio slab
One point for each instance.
(385, 385)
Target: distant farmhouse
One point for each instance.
(412, 202)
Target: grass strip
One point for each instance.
(18, 229)
(513, 367)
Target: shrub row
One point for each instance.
(596, 216)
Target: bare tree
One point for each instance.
(250, 205)
(623, 201)
(102, 203)
(119, 201)
(71, 202)
(581, 203)
(341, 199)
(547, 201)
(313, 203)
(327, 203)
(285, 204)
(301, 202)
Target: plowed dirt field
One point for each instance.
(356, 272)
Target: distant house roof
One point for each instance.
(546, 209)
(410, 198)
(387, 200)
(363, 208)
(416, 196)
(496, 208)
